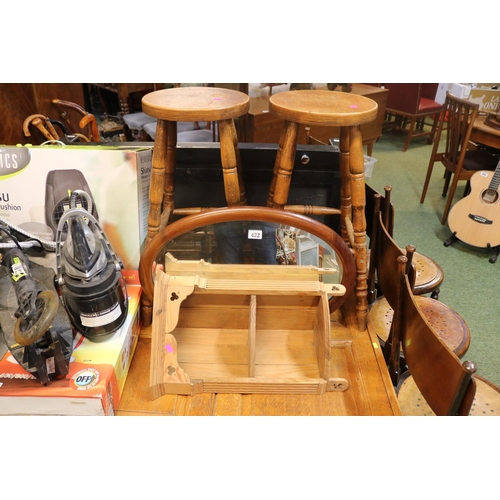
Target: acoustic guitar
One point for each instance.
(475, 219)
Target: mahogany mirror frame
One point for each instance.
(249, 213)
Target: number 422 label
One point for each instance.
(254, 234)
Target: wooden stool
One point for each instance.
(330, 109)
(190, 104)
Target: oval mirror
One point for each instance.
(256, 236)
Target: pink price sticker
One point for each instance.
(353, 106)
(169, 348)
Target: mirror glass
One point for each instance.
(254, 242)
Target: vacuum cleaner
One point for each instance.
(88, 272)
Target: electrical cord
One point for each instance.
(34, 242)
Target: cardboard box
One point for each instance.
(34, 181)
(97, 373)
(481, 93)
(487, 98)
(460, 90)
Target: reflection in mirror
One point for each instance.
(266, 242)
(253, 242)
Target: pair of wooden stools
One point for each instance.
(306, 107)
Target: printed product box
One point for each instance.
(97, 372)
(487, 98)
(34, 183)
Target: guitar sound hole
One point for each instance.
(490, 196)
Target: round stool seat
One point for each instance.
(429, 274)
(323, 107)
(448, 323)
(186, 104)
(486, 401)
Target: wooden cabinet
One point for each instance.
(263, 127)
(20, 100)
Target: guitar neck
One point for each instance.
(495, 180)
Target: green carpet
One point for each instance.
(470, 281)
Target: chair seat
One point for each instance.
(185, 132)
(429, 275)
(202, 135)
(150, 129)
(412, 403)
(428, 106)
(477, 159)
(136, 121)
(450, 325)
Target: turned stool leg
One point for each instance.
(277, 163)
(170, 163)
(231, 163)
(283, 166)
(345, 183)
(161, 189)
(359, 223)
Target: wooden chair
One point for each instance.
(459, 160)
(413, 103)
(437, 382)
(452, 329)
(429, 274)
(134, 123)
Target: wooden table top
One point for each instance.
(484, 134)
(355, 356)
